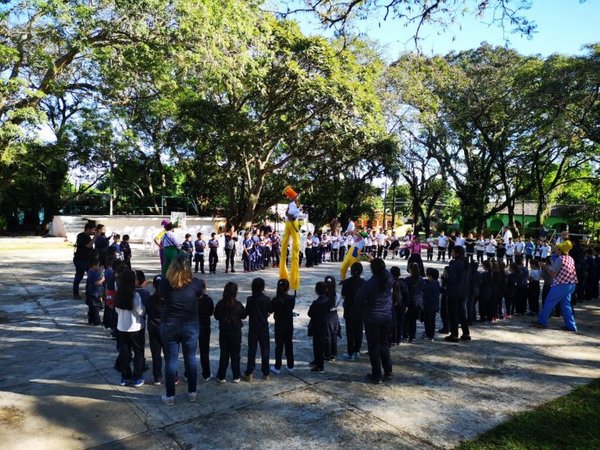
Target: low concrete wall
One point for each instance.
(141, 229)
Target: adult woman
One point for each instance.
(415, 247)
(179, 324)
(375, 298)
(158, 241)
(170, 246)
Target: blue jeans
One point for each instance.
(175, 332)
(559, 293)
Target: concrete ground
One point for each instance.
(58, 388)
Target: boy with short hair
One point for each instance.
(94, 288)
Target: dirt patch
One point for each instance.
(9, 415)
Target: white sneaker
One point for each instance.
(192, 396)
(237, 380)
(290, 369)
(207, 379)
(275, 371)
(221, 380)
(167, 400)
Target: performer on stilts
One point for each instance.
(353, 254)
(292, 230)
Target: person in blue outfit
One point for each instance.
(564, 282)
(179, 325)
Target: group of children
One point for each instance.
(503, 288)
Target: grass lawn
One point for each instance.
(570, 422)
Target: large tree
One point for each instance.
(308, 106)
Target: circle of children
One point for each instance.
(387, 307)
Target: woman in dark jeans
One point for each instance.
(179, 325)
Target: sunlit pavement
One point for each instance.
(58, 388)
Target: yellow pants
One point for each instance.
(291, 230)
(349, 259)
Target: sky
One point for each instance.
(563, 26)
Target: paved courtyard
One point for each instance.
(58, 388)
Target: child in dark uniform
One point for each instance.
(199, 246)
(258, 308)
(230, 313)
(154, 313)
(431, 301)
(318, 312)
(283, 313)
(187, 246)
(126, 250)
(102, 243)
(206, 308)
(94, 288)
(352, 314)
(213, 259)
(115, 247)
(333, 320)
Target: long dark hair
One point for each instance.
(258, 287)
(283, 286)
(330, 283)
(124, 297)
(415, 274)
(379, 272)
(229, 299)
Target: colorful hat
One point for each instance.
(165, 222)
(564, 247)
(290, 193)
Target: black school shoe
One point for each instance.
(317, 369)
(465, 338)
(373, 379)
(451, 338)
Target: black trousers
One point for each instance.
(342, 253)
(156, 348)
(444, 313)
(131, 341)
(379, 348)
(412, 314)
(80, 268)
(309, 256)
(533, 296)
(331, 338)
(254, 340)
(457, 313)
(199, 259)
(276, 252)
(212, 261)
(441, 253)
(318, 349)
(94, 307)
(230, 345)
(429, 321)
(397, 329)
(354, 332)
(480, 256)
(229, 259)
(334, 254)
(283, 340)
(204, 347)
